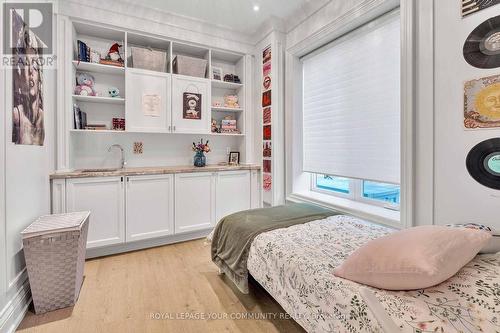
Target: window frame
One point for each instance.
(356, 191)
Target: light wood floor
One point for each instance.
(121, 293)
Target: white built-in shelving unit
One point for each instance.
(133, 83)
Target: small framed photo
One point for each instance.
(217, 73)
(234, 158)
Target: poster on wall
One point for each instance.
(482, 103)
(267, 182)
(266, 166)
(266, 98)
(191, 106)
(266, 115)
(266, 54)
(473, 6)
(27, 87)
(266, 149)
(266, 132)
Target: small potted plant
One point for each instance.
(200, 149)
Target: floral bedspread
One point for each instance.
(295, 265)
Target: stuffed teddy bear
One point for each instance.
(231, 101)
(85, 85)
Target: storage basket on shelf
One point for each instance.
(190, 66)
(145, 58)
(54, 249)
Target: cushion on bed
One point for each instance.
(414, 258)
(493, 246)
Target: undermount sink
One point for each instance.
(99, 170)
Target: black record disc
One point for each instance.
(482, 47)
(483, 163)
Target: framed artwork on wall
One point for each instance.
(482, 103)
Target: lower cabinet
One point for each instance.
(194, 201)
(104, 198)
(232, 193)
(149, 206)
(133, 208)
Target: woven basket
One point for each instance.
(189, 66)
(149, 59)
(54, 248)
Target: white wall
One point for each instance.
(24, 195)
(458, 198)
(91, 149)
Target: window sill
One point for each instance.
(359, 209)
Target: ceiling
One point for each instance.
(237, 15)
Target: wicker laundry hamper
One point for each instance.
(54, 248)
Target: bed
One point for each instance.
(300, 278)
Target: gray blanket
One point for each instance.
(234, 234)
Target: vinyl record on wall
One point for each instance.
(482, 47)
(473, 6)
(483, 163)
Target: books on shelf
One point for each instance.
(80, 117)
(83, 51)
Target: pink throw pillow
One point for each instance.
(414, 258)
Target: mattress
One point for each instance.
(295, 265)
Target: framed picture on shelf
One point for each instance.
(234, 158)
(217, 73)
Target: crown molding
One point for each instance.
(140, 18)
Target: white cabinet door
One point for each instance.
(148, 101)
(233, 192)
(104, 198)
(190, 93)
(194, 201)
(255, 189)
(150, 206)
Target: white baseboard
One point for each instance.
(144, 244)
(15, 309)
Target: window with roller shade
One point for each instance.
(351, 113)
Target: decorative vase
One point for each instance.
(199, 159)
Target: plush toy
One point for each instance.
(114, 52)
(113, 92)
(85, 85)
(231, 101)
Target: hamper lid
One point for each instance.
(55, 223)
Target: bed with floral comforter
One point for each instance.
(300, 277)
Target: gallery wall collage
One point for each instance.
(267, 178)
(482, 95)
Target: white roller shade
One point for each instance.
(351, 110)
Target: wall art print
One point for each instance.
(267, 149)
(266, 69)
(472, 6)
(266, 166)
(266, 98)
(266, 132)
(266, 83)
(266, 54)
(482, 103)
(267, 182)
(27, 87)
(191, 106)
(266, 115)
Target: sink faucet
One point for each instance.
(122, 161)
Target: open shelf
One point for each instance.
(227, 134)
(226, 85)
(98, 68)
(223, 109)
(99, 99)
(95, 131)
